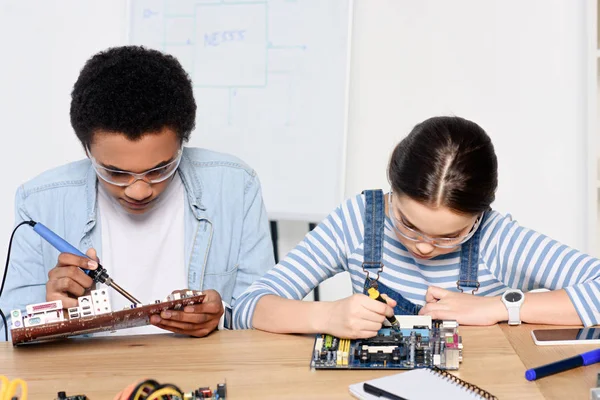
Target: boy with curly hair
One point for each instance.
(161, 216)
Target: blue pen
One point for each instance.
(60, 244)
(587, 358)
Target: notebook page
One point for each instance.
(416, 384)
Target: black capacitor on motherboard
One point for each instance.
(221, 390)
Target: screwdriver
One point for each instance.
(374, 294)
(97, 275)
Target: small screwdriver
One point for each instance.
(374, 294)
(98, 275)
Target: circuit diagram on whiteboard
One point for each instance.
(229, 50)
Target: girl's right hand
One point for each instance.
(357, 316)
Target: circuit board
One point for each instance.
(419, 343)
(137, 315)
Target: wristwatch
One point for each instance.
(513, 299)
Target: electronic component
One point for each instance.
(150, 389)
(44, 307)
(425, 343)
(34, 319)
(101, 302)
(174, 296)
(16, 319)
(38, 314)
(220, 393)
(74, 312)
(86, 306)
(37, 328)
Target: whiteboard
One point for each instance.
(271, 84)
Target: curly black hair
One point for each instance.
(133, 91)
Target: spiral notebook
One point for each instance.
(422, 384)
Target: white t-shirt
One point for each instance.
(144, 254)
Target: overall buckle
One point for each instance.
(466, 283)
(372, 265)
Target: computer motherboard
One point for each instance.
(419, 343)
(47, 321)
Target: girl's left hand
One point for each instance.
(465, 308)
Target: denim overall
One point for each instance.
(373, 251)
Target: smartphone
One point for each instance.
(546, 337)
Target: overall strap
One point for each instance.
(374, 224)
(469, 261)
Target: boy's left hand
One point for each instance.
(196, 320)
(465, 308)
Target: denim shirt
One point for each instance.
(227, 239)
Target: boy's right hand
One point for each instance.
(358, 316)
(66, 281)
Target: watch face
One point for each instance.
(513, 297)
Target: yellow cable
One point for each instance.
(164, 392)
(4, 382)
(140, 391)
(12, 389)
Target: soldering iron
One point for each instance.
(98, 275)
(374, 294)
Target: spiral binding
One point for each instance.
(454, 379)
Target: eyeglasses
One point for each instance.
(125, 178)
(401, 227)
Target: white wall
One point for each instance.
(518, 68)
(515, 67)
(43, 46)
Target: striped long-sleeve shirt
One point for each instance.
(510, 256)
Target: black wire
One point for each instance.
(30, 223)
(139, 385)
(5, 326)
(166, 385)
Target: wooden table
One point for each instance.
(256, 365)
(572, 384)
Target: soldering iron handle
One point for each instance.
(59, 243)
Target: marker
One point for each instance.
(587, 358)
(374, 294)
(380, 392)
